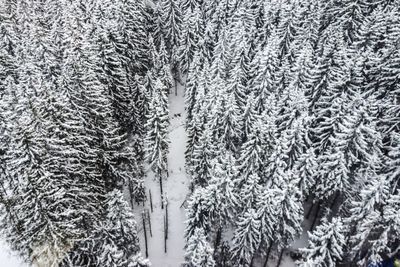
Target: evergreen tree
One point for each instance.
(156, 142)
(203, 153)
(198, 251)
(191, 38)
(326, 244)
(171, 19)
(113, 242)
(246, 238)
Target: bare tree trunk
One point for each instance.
(166, 220)
(165, 237)
(151, 201)
(176, 87)
(217, 239)
(309, 211)
(280, 258)
(161, 189)
(145, 236)
(334, 200)
(316, 216)
(149, 220)
(131, 192)
(267, 256)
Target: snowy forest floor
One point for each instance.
(176, 188)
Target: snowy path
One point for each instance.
(176, 189)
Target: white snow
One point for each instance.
(176, 190)
(9, 259)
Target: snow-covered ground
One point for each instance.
(8, 259)
(176, 190)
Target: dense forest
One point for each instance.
(292, 115)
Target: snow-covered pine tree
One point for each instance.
(113, 62)
(267, 209)
(171, 19)
(225, 120)
(135, 31)
(191, 38)
(162, 65)
(198, 114)
(348, 16)
(249, 191)
(204, 152)
(113, 242)
(326, 244)
(238, 60)
(247, 238)
(287, 28)
(223, 179)
(8, 42)
(263, 70)
(365, 218)
(156, 142)
(193, 81)
(356, 143)
(255, 150)
(198, 213)
(188, 6)
(43, 221)
(289, 213)
(199, 252)
(306, 169)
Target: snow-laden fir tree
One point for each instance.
(247, 238)
(156, 142)
(326, 244)
(113, 242)
(199, 252)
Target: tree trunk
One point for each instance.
(280, 258)
(217, 239)
(161, 189)
(145, 236)
(151, 201)
(165, 237)
(149, 219)
(166, 220)
(334, 200)
(131, 193)
(267, 256)
(309, 211)
(176, 87)
(316, 216)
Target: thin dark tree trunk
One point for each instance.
(166, 220)
(151, 201)
(161, 189)
(217, 239)
(145, 236)
(149, 220)
(267, 256)
(176, 87)
(165, 236)
(309, 211)
(280, 258)
(334, 200)
(316, 216)
(131, 193)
